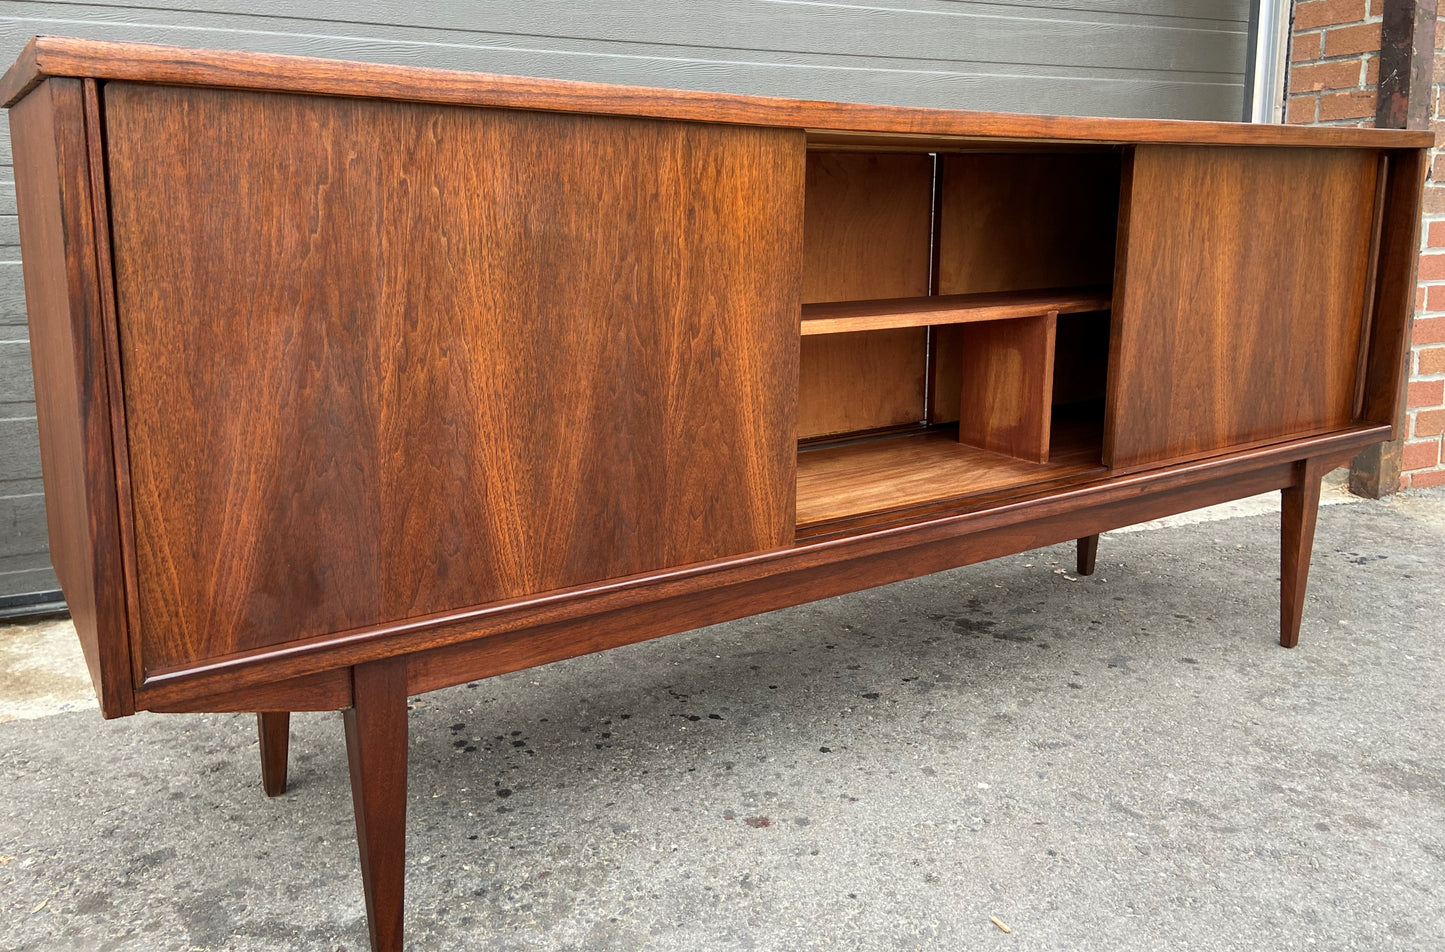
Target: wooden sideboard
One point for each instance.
(359, 381)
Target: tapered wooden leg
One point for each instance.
(274, 727)
(1300, 506)
(376, 750)
(1088, 550)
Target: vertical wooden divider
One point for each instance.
(1008, 381)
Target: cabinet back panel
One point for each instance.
(1238, 310)
(385, 359)
(867, 234)
(1012, 222)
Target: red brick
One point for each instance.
(1302, 109)
(1342, 74)
(1306, 47)
(1377, 8)
(1432, 267)
(1425, 393)
(1315, 13)
(1420, 455)
(1356, 104)
(1344, 40)
(1427, 479)
(1440, 34)
(1435, 234)
(1372, 71)
(1429, 423)
(1432, 360)
(1428, 330)
(1433, 202)
(1434, 298)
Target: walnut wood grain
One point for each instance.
(889, 472)
(1087, 554)
(460, 381)
(68, 348)
(925, 128)
(718, 591)
(851, 316)
(1026, 222)
(376, 751)
(1221, 337)
(1300, 504)
(866, 235)
(1394, 290)
(1006, 398)
(273, 729)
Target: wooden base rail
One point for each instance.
(376, 723)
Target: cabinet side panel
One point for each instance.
(1394, 286)
(386, 359)
(1240, 315)
(62, 301)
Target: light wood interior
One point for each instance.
(888, 473)
(852, 316)
(954, 307)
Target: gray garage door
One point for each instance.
(1158, 58)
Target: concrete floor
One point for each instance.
(1126, 761)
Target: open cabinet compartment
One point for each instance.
(955, 326)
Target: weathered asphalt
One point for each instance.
(1124, 762)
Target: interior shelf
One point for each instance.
(846, 480)
(848, 316)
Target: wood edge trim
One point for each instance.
(193, 683)
(110, 329)
(1368, 302)
(1118, 312)
(22, 76)
(98, 59)
(85, 295)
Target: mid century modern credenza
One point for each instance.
(359, 381)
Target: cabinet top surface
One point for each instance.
(827, 122)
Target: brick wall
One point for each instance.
(1334, 62)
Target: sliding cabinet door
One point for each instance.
(386, 359)
(1239, 298)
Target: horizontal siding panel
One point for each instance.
(12, 296)
(1063, 67)
(719, 29)
(22, 525)
(19, 455)
(23, 581)
(15, 383)
(9, 232)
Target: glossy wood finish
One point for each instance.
(416, 394)
(1394, 294)
(63, 298)
(1300, 504)
(875, 475)
(1027, 222)
(923, 129)
(1221, 338)
(274, 731)
(376, 751)
(1088, 552)
(1006, 400)
(851, 316)
(411, 382)
(866, 235)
